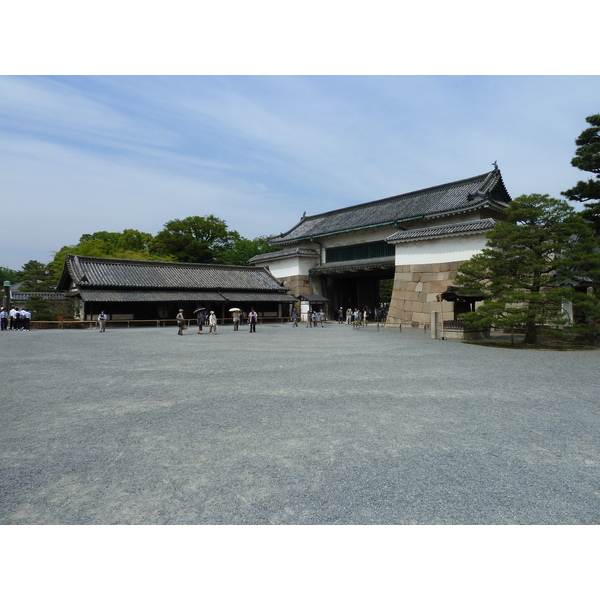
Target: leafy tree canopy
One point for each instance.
(195, 240)
(543, 243)
(11, 275)
(242, 250)
(130, 243)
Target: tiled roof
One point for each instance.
(282, 254)
(460, 196)
(88, 295)
(469, 227)
(110, 273)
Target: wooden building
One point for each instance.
(144, 290)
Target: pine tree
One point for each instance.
(587, 158)
(542, 244)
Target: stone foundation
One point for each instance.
(416, 288)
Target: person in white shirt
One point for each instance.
(26, 319)
(3, 319)
(13, 318)
(212, 322)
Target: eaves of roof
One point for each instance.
(442, 231)
(370, 264)
(488, 203)
(182, 296)
(395, 223)
(283, 254)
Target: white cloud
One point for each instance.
(91, 154)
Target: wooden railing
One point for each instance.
(128, 323)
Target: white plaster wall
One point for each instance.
(289, 267)
(439, 251)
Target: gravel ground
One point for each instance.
(294, 426)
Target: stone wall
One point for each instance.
(415, 292)
(297, 284)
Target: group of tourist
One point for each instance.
(314, 318)
(14, 319)
(204, 318)
(355, 316)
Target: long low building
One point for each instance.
(139, 289)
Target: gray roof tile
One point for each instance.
(449, 198)
(110, 273)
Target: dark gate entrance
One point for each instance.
(353, 285)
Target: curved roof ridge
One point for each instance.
(448, 198)
(433, 188)
(160, 263)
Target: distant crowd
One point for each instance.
(15, 319)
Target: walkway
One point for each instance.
(294, 426)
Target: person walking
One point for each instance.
(236, 320)
(200, 320)
(315, 318)
(180, 322)
(294, 318)
(348, 316)
(212, 323)
(340, 315)
(252, 317)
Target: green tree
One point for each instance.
(11, 275)
(195, 239)
(542, 244)
(115, 244)
(36, 277)
(130, 243)
(50, 310)
(587, 158)
(243, 249)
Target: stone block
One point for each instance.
(403, 277)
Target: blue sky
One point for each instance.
(81, 154)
